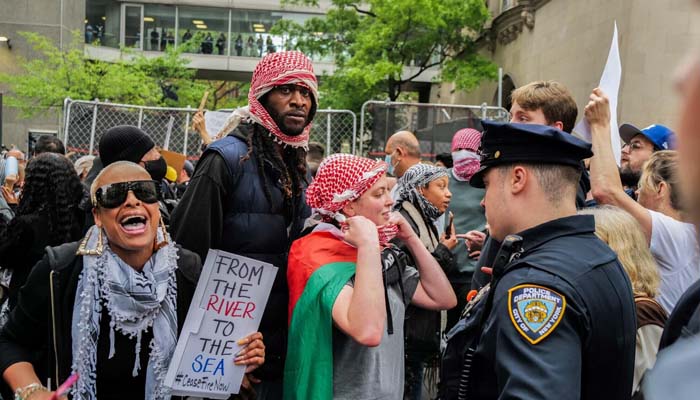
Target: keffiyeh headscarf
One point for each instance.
(135, 302)
(416, 177)
(465, 157)
(340, 179)
(275, 69)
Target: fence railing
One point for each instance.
(84, 123)
(433, 124)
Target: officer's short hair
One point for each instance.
(557, 181)
(553, 98)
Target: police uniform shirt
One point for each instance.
(562, 324)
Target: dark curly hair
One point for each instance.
(51, 185)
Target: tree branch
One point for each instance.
(420, 71)
(365, 12)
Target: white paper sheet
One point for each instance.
(215, 120)
(610, 84)
(228, 305)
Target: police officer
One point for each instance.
(557, 320)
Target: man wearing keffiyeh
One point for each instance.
(246, 195)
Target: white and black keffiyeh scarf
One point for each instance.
(135, 301)
(415, 177)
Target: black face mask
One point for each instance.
(156, 168)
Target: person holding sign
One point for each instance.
(109, 307)
(349, 287)
(247, 193)
(659, 210)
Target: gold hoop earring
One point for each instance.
(159, 245)
(97, 251)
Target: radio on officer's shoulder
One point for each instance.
(511, 247)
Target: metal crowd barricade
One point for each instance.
(433, 124)
(336, 130)
(84, 123)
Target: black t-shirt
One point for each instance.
(114, 376)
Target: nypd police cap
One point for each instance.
(507, 143)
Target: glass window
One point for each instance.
(159, 25)
(102, 19)
(133, 25)
(249, 32)
(204, 28)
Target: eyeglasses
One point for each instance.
(289, 89)
(114, 195)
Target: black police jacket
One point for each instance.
(561, 326)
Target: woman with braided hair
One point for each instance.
(47, 215)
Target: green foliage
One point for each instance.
(372, 41)
(56, 74)
(134, 79)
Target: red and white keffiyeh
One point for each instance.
(342, 178)
(275, 69)
(467, 139)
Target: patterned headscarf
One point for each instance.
(276, 69)
(342, 178)
(467, 160)
(415, 177)
(467, 138)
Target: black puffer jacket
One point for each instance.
(225, 208)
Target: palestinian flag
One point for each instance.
(320, 264)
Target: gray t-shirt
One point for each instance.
(374, 373)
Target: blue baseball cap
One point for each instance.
(662, 137)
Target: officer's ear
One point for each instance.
(518, 178)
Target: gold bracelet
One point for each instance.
(26, 392)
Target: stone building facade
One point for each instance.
(568, 41)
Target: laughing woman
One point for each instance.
(109, 307)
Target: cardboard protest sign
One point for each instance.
(175, 160)
(228, 305)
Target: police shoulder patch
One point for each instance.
(535, 310)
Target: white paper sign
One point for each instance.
(215, 120)
(610, 84)
(228, 305)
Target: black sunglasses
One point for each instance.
(114, 195)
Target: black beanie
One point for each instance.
(124, 143)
